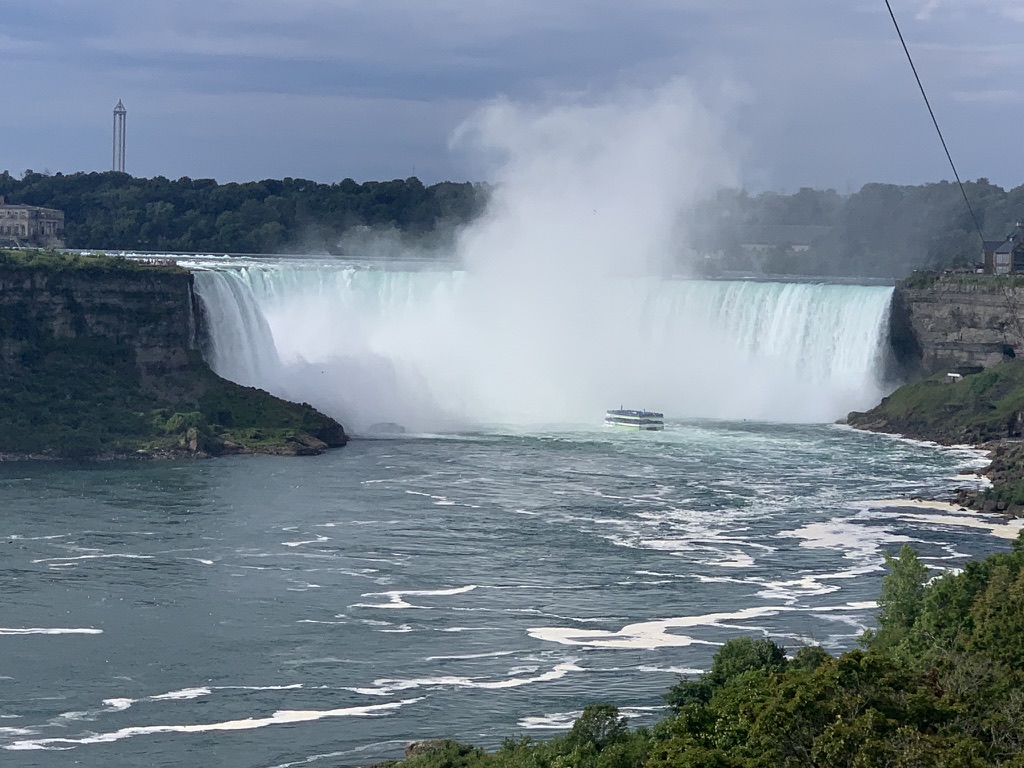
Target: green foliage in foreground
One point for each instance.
(940, 683)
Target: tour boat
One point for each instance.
(650, 420)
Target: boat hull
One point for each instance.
(650, 421)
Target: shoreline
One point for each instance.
(952, 513)
(993, 484)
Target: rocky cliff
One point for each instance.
(970, 324)
(148, 308)
(98, 357)
(956, 322)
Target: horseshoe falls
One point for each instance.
(449, 350)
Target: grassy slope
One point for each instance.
(985, 408)
(977, 409)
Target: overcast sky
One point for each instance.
(813, 92)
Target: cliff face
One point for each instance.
(956, 323)
(148, 310)
(98, 356)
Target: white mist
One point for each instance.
(562, 308)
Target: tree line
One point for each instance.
(882, 230)
(116, 211)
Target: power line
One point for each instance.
(935, 122)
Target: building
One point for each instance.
(1004, 257)
(31, 225)
(791, 238)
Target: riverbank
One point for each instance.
(951, 513)
(984, 410)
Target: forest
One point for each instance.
(115, 211)
(882, 230)
(939, 683)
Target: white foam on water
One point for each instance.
(281, 717)
(563, 721)
(927, 512)
(317, 540)
(50, 631)
(793, 590)
(118, 705)
(556, 721)
(442, 501)
(735, 559)
(182, 695)
(386, 687)
(655, 634)
(466, 629)
(670, 670)
(289, 687)
(1005, 530)
(857, 542)
(316, 621)
(71, 558)
(303, 587)
(491, 655)
(122, 704)
(345, 753)
(396, 597)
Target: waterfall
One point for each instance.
(449, 349)
(238, 343)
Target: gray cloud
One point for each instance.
(240, 89)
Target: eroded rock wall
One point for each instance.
(149, 310)
(957, 323)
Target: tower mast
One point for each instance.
(120, 114)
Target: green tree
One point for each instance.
(900, 603)
(600, 725)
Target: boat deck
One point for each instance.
(635, 419)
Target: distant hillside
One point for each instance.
(883, 230)
(115, 211)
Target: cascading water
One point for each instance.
(447, 350)
(239, 343)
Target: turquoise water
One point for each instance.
(264, 611)
(444, 350)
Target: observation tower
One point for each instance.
(120, 113)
